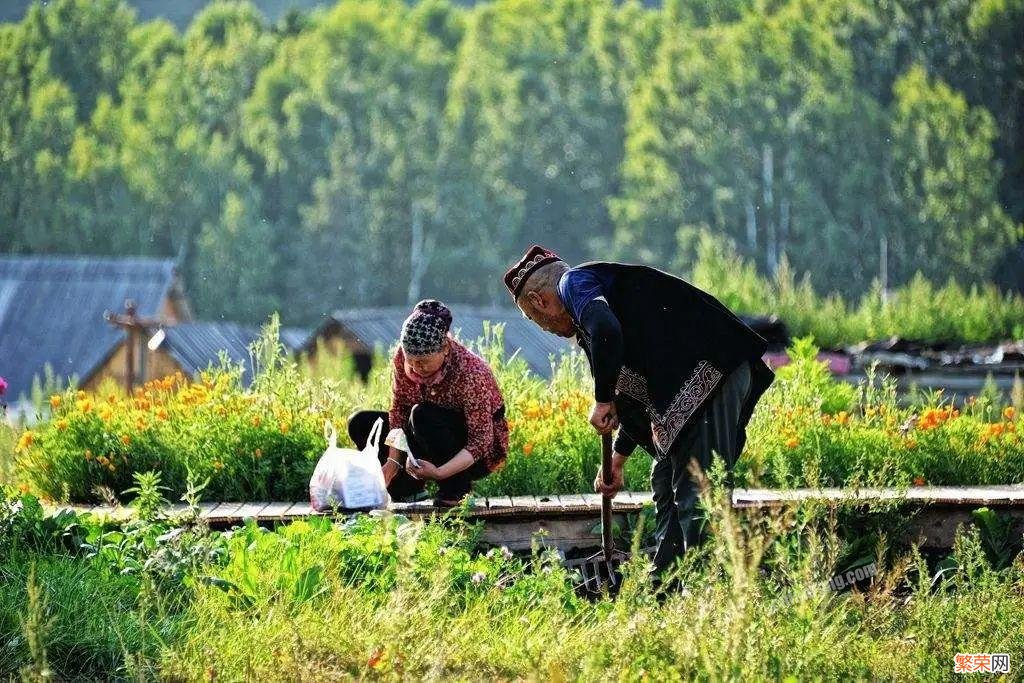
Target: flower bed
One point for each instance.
(262, 443)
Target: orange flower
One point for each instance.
(26, 441)
(527, 449)
(55, 401)
(911, 443)
(161, 414)
(1009, 412)
(257, 421)
(793, 442)
(126, 440)
(826, 419)
(284, 427)
(919, 481)
(23, 488)
(842, 418)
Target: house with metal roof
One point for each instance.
(191, 348)
(364, 331)
(52, 314)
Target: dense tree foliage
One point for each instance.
(379, 151)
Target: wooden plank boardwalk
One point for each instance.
(589, 505)
(934, 514)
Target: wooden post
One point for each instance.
(133, 326)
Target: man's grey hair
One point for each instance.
(544, 278)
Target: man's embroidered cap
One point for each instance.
(535, 257)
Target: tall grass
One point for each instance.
(919, 310)
(389, 598)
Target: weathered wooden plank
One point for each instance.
(497, 505)
(525, 505)
(1008, 495)
(251, 510)
(206, 507)
(579, 503)
(548, 504)
(632, 504)
(224, 513)
(298, 510)
(275, 511)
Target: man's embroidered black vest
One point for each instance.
(679, 343)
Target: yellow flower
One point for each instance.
(842, 418)
(218, 465)
(792, 442)
(257, 421)
(26, 441)
(81, 395)
(84, 404)
(126, 440)
(258, 453)
(55, 401)
(62, 424)
(161, 414)
(23, 488)
(88, 454)
(285, 427)
(1009, 412)
(106, 414)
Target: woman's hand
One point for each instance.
(426, 470)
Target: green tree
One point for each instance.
(539, 102)
(945, 183)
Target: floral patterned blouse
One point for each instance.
(466, 384)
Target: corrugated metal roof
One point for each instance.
(51, 311)
(380, 328)
(294, 338)
(197, 346)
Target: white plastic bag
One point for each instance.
(348, 478)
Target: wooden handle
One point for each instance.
(606, 503)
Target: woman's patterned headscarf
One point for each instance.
(426, 329)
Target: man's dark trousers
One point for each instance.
(677, 520)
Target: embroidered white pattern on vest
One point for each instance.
(695, 390)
